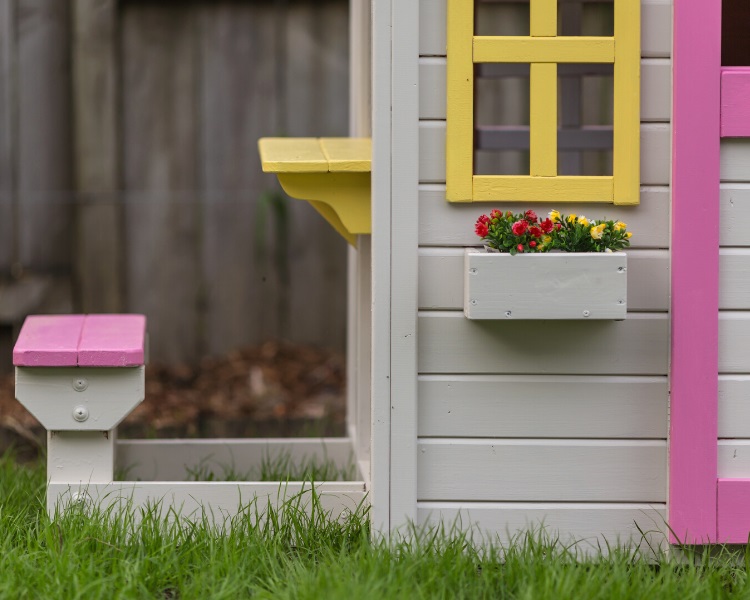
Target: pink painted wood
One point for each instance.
(695, 270)
(49, 341)
(112, 341)
(735, 102)
(78, 340)
(734, 511)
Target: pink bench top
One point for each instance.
(81, 341)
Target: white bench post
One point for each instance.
(80, 376)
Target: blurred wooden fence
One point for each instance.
(129, 174)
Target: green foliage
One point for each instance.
(280, 467)
(528, 233)
(289, 552)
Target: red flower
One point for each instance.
(509, 214)
(558, 226)
(495, 214)
(535, 231)
(520, 227)
(532, 243)
(481, 229)
(547, 226)
(520, 247)
(483, 219)
(531, 216)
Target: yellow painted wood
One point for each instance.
(333, 174)
(627, 76)
(543, 120)
(287, 155)
(342, 198)
(513, 49)
(542, 189)
(459, 137)
(347, 154)
(543, 18)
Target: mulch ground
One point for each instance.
(277, 389)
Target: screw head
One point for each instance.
(80, 413)
(507, 314)
(473, 302)
(80, 384)
(586, 313)
(621, 269)
(473, 271)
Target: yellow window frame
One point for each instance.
(543, 49)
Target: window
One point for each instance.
(542, 51)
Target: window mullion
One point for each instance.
(543, 120)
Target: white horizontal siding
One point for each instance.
(735, 213)
(591, 527)
(441, 279)
(656, 79)
(734, 458)
(734, 279)
(655, 153)
(538, 406)
(735, 160)
(443, 223)
(734, 407)
(734, 342)
(542, 470)
(450, 343)
(656, 28)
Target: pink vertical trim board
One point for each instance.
(695, 270)
(735, 102)
(733, 525)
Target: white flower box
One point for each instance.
(586, 285)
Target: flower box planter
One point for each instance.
(545, 285)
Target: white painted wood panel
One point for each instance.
(734, 406)
(568, 285)
(216, 501)
(656, 97)
(432, 88)
(441, 275)
(539, 406)
(591, 527)
(656, 28)
(450, 343)
(735, 214)
(735, 159)
(443, 223)
(734, 342)
(734, 458)
(734, 278)
(542, 470)
(655, 153)
(171, 459)
(382, 143)
(404, 262)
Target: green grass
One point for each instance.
(292, 554)
(279, 467)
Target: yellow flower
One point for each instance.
(583, 220)
(572, 218)
(619, 226)
(554, 216)
(628, 234)
(596, 232)
(547, 239)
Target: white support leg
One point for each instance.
(78, 459)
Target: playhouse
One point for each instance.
(597, 424)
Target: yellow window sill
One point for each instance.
(332, 174)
